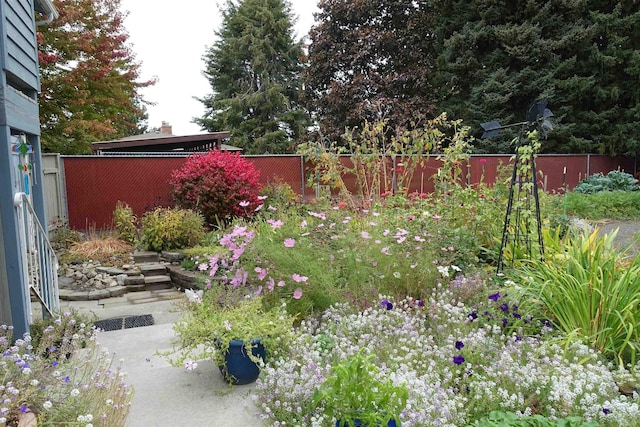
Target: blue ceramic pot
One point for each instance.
(239, 368)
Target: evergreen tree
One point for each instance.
(254, 70)
(89, 88)
(371, 60)
(496, 58)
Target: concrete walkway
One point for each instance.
(166, 395)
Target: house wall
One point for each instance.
(96, 183)
(5, 307)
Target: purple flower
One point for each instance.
(488, 314)
(24, 408)
(386, 304)
(67, 379)
(473, 315)
(606, 411)
(418, 303)
(458, 360)
(494, 297)
(504, 307)
(517, 315)
(505, 322)
(459, 345)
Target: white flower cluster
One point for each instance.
(457, 369)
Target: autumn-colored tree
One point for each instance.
(371, 60)
(89, 78)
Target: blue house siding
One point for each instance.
(21, 61)
(19, 85)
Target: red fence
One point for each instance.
(95, 184)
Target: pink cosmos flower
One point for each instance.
(259, 290)
(275, 224)
(298, 278)
(270, 284)
(244, 203)
(365, 235)
(436, 216)
(385, 250)
(262, 272)
(190, 365)
(281, 283)
(258, 208)
(272, 208)
(297, 294)
(289, 243)
(262, 197)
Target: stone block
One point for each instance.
(145, 257)
(172, 256)
(134, 280)
(152, 269)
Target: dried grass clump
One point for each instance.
(103, 249)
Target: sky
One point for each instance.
(169, 40)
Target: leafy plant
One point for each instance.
(622, 205)
(60, 377)
(357, 391)
(207, 328)
(590, 291)
(63, 237)
(125, 222)
(218, 184)
(165, 228)
(613, 181)
(510, 419)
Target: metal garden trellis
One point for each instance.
(523, 186)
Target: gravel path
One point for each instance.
(627, 232)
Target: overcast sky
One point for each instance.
(169, 39)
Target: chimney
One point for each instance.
(166, 128)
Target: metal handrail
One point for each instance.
(39, 260)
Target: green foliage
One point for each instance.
(60, 375)
(495, 59)
(89, 78)
(218, 184)
(279, 193)
(589, 291)
(622, 205)
(613, 181)
(63, 237)
(357, 390)
(165, 228)
(253, 68)
(207, 327)
(125, 222)
(509, 419)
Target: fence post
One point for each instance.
(304, 200)
(588, 166)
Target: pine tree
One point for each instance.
(581, 56)
(89, 87)
(371, 60)
(254, 70)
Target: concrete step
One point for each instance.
(146, 257)
(157, 282)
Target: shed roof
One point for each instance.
(159, 141)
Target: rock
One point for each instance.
(91, 274)
(172, 256)
(120, 278)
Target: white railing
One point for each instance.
(39, 261)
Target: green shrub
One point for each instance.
(63, 237)
(590, 291)
(165, 228)
(125, 222)
(509, 419)
(613, 181)
(604, 205)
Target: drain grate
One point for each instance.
(127, 322)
